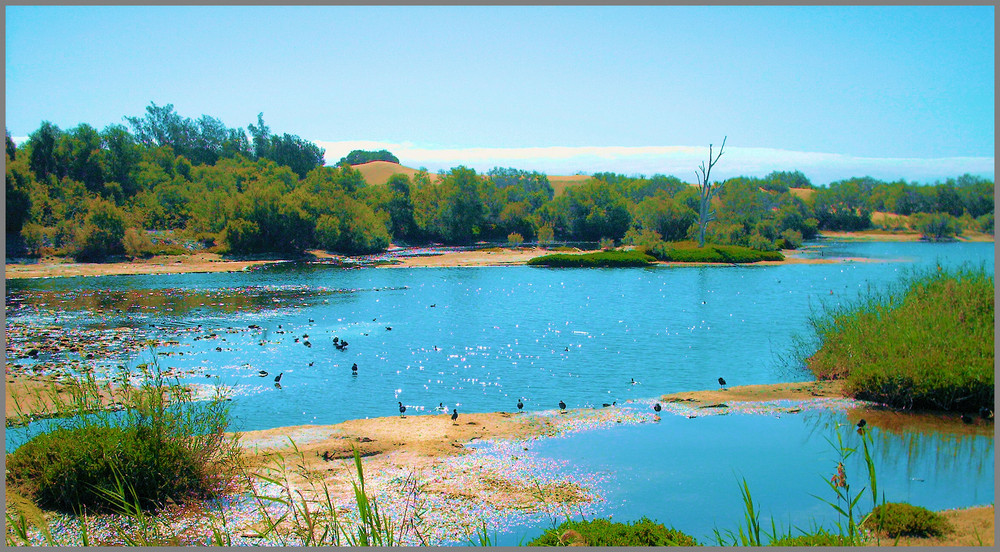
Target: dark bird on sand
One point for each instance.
(454, 415)
(278, 378)
(722, 382)
(520, 404)
(402, 409)
(657, 408)
(562, 405)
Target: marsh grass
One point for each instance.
(689, 252)
(926, 342)
(611, 259)
(153, 439)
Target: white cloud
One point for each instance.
(680, 161)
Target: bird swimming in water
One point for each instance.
(722, 382)
(613, 403)
(402, 410)
(657, 408)
(633, 382)
(262, 373)
(562, 405)
(520, 404)
(278, 378)
(311, 363)
(440, 408)
(336, 339)
(454, 415)
(388, 328)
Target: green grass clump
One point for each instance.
(73, 468)
(689, 252)
(601, 532)
(613, 259)
(160, 445)
(818, 538)
(927, 343)
(899, 519)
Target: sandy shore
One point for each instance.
(50, 267)
(499, 256)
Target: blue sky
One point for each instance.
(833, 91)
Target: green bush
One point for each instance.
(818, 538)
(591, 260)
(926, 343)
(601, 532)
(71, 468)
(689, 252)
(897, 519)
(162, 446)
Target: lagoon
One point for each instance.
(480, 338)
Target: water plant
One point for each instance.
(926, 342)
(591, 260)
(161, 444)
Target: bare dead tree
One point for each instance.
(707, 190)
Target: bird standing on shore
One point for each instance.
(722, 382)
(402, 410)
(562, 405)
(454, 416)
(520, 404)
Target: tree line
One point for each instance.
(94, 194)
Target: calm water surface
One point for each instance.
(480, 338)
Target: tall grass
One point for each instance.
(157, 440)
(926, 342)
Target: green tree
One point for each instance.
(360, 157)
(102, 233)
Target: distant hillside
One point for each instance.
(378, 172)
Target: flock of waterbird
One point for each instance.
(341, 345)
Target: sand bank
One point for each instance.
(50, 267)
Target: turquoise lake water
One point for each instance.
(477, 339)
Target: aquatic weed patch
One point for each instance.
(925, 343)
(602, 259)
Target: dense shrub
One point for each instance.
(162, 446)
(937, 226)
(689, 252)
(71, 468)
(601, 532)
(926, 343)
(590, 260)
(898, 519)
